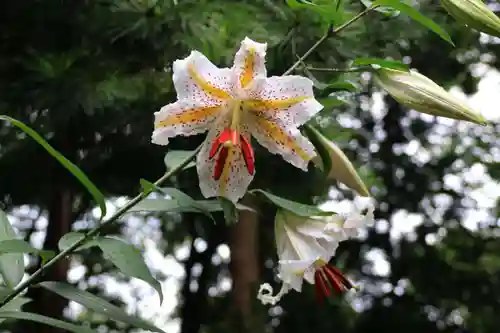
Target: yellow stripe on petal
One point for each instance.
(224, 178)
(247, 74)
(273, 105)
(189, 116)
(275, 133)
(206, 86)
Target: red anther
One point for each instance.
(342, 277)
(220, 163)
(333, 280)
(327, 278)
(322, 290)
(248, 155)
(226, 135)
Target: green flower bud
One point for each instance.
(475, 14)
(424, 95)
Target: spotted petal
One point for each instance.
(289, 99)
(197, 79)
(183, 118)
(227, 176)
(249, 63)
(279, 139)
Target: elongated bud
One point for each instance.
(338, 165)
(475, 14)
(424, 95)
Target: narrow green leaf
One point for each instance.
(11, 264)
(301, 4)
(173, 206)
(14, 304)
(329, 102)
(175, 157)
(21, 246)
(97, 305)
(71, 238)
(186, 201)
(329, 11)
(382, 63)
(148, 187)
(93, 190)
(387, 11)
(45, 320)
(416, 16)
(295, 207)
(129, 260)
(4, 292)
(343, 84)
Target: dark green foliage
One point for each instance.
(87, 75)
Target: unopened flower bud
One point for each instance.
(475, 14)
(424, 95)
(341, 169)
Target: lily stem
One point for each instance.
(119, 213)
(330, 33)
(340, 70)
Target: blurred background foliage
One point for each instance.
(89, 74)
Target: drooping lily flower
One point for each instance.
(233, 104)
(305, 247)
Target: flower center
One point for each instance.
(228, 143)
(327, 278)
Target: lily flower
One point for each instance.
(305, 247)
(233, 104)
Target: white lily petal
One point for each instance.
(184, 117)
(293, 245)
(197, 79)
(249, 63)
(291, 272)
(358, 220)
(314, 227)
(235, 179)
(285, 141)
(289, 99)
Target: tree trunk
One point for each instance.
(244, 269)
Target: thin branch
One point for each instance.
(329, 34)
(340, 70)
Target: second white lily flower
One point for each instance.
(305, 247)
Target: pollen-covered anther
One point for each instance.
(227, 138)
(248, 154)
(327, 278)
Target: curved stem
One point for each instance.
(119, 213)
(330, 33)
(341, 70)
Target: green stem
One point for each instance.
(340, 70)
(329, 34)
(119, 213)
